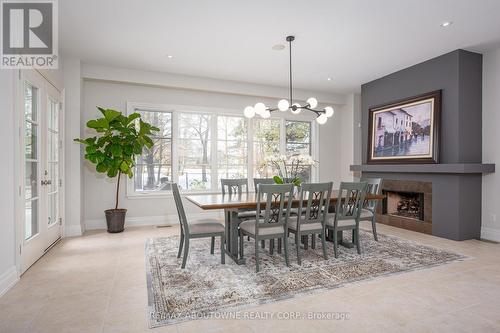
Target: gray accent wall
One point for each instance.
(456, 197)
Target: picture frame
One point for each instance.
(405, 131)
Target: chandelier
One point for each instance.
(284, 105)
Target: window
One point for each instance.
(153, 168)
(194, 151)
(266, 142)
(298, 142)
(197, 149)
(232, 150)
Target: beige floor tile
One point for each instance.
(97, 283)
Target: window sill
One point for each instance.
(168, 194)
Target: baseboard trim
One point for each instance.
(72, 230)
(136, 221)
(8, 279)
(490, 234)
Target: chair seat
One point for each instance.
(247, 214)
(366, 213)
(295, 211)
(206, 227)
(249, 227)
(342, 223)
(292, 224)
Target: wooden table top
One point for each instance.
(246, 200)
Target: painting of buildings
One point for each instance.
(403, 131)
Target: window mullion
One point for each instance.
(282, 137)
(175, 147)
(250, 167)
(214, 172)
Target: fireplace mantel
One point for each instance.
(459, 168)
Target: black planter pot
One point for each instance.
(115, 219)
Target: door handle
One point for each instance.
(44, 182)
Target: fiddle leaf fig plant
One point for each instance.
(118, 141)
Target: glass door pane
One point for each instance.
(32, 158)
(52, 161)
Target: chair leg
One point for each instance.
(256, 256)
(279, 245)
(263, 244)
(374, 228)
(241, 245)
(271, 247)
(181, 244)
(358, 245)
(186, 251)
(222, 250)
(297, 245)
(212, 245)
(323, 244)
(306, 242)
(285, 245)
(335, 244)
(313, 241)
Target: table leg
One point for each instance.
(340, 237)
(232, 222)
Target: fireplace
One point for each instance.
(404, 204)
(407, 204)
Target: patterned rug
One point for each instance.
(206, 287)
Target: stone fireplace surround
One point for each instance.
(408, 186)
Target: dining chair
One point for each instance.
(314, 201)
(237, 186)
(369, 211)
(198, 229)
(271, 222)
(347, 211)
(258, 181)
(234, 186)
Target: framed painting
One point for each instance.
(406, 131)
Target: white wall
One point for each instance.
(348, 119)
(98, 192)
(73, 166)
(490, 228)
(8, 271)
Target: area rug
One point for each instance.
(206, 287)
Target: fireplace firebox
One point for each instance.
(404, 204)
(407, 204)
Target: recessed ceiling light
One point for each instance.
(446, 24)
(278, 47)
(169, 56)
(328, 78)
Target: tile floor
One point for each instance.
(96, 283)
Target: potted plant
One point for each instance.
(289, 169)
(113, 151)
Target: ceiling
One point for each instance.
(351, 41)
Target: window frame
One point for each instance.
(176, 110)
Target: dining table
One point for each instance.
(234, 203)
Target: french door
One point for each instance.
(41, 147)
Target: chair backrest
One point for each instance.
(374, 187)
(350, 201)
(180, 209)
(258, 181)
(278, 201)
(314, 200)
(233, 186)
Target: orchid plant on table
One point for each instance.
(289, 168)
